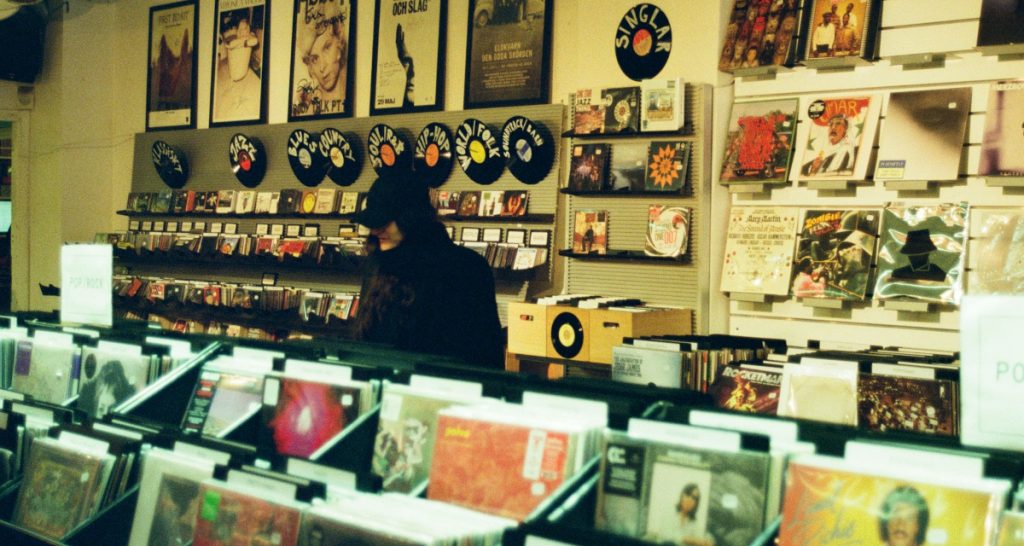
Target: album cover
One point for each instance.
(514, 203)
(142, 200)
(229, 515)
(647, 366)
(1011, 529)
(404, 445)
(588, 169)
(928, 406)
(999, 252)
(662, 104)
(308, 202)
(245, 202)
(307, 414)
(834, 254)
(922, 253)
(321, 527)
(264, 199)
(759, 250)
(1001, 26)
(628, 167)
(840, 134)
(499, 468)
(666, 166)
(825, 393)
(222, 400)
(588, 112)
(759, 142)
(705, 497)
(469, 205)
(289, 201)
(924, 135)
(820, 499)
(225, 202)
(840, 29)
(760, 34)
(621, 109)
(1004, 137)
(448, 202)
(748, 389)
(349, 202)
(590, 232)
(342, 306)
(44, 371)
(109, 378)
(325, 201)
(668, 230)
(490, 202)
(59, 488)
(161, 202)
(623, 486)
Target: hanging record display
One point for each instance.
(248, 160)
(432, 159)
(528, 149)
(567, 335)
(388, 150)
(643, 41)
(305, 159)
(171, 164)
(478, 152)
(340, 156)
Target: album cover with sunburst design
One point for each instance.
(666, 166)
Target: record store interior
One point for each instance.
(511, 272)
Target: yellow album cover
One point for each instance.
(825, 505)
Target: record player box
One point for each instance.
(527, 329)
(609, 328)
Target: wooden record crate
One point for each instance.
(527, 329)
(609, 328)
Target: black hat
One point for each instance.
(919, 241)
(390, 196)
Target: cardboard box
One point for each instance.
(609, 328)
(527, 329)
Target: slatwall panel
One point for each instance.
(679, 285)
(953, 24)
(210, 170)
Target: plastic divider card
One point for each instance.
(118, 347)
(187, 448)
(914, 458)
(329, 372)
(448, 386)
(782, 431)
(591, 412)
(705, 438)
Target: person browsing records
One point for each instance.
(421, 291)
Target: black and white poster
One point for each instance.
(239, 62)
(408, 56)
(508, 53)
(322, 52)
(171, 85)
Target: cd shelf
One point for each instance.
(685, 131)
(526, 219)
(151, 214)
(627, 255)
(284, 319)
(347, 263)
(611, 193)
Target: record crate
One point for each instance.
(599, 330)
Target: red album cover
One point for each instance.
(498, 468)
(308, 414)
(229, 517)
(754, 391)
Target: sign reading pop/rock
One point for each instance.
(86, 294)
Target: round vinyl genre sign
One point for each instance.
(248, 159)
(643, 41)
(388, 150)
(478, 152)
(305, 159)
(341, 156)
(528, 149)
(432, 159)
(171, 164)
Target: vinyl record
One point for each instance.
(478, 152)
(171, 164)
(248, 160)
(528, 149)
(388, 150)
(305, 158)
(432, 160)
(567, 335)
(341, 157)
(643, 41)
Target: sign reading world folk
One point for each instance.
(643, 41)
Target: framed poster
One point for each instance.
(408, 56)
(508, 53)
(322, 55)
(171, 81)
(240, 47)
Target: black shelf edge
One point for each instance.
(352, 263)
(613, 193)
(685, 131)
(273, 321)
(251, 215)
(527, 219)
(625, 255)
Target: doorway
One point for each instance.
(6, 176)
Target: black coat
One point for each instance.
(439, 299)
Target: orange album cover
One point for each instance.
(833, 507)
(499, 468)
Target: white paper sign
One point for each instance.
(86, 274)
(992, 372)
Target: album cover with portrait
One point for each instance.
(759, 249)
(759, 142)
(922, 253)
(469, 203)
(830, 500)
(590, 232)
(300, 416)
(889, 402)
(1004, 136)
(837, 137)
(109, 378)
(231, 514)
(998, 250)
(841, 28)
(924, 135)
(667, 162)
(834, 253)
(760, 34)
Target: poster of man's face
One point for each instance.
(321, 55)
(408, 47)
